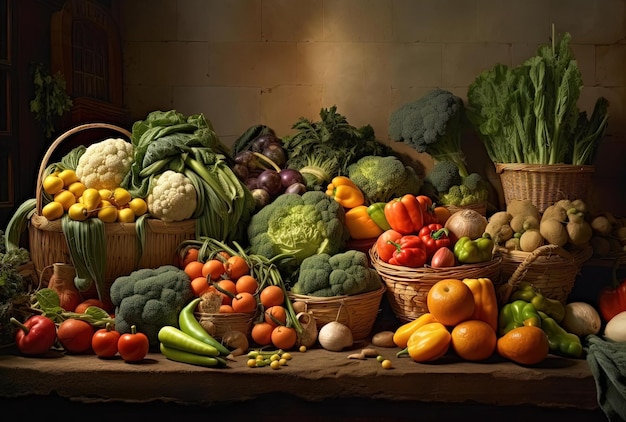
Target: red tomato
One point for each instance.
(104, 342)
(75, 335)
(133, 346)
(443, 257)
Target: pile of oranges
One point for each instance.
(451, 317)
(231, 277)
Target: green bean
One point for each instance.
(190, 325)
(174, 338)
(187, 357)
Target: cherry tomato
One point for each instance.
(104, 342)
(133, 346)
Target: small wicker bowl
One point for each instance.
(225, 322)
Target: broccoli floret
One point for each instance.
(382, 178)
(432, 124)
(298, 226)
(444, 175)
(472, 190)
(345, 273)
(150, 299)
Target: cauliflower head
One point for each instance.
(104, 164)
(172, 197)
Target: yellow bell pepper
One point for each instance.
(360, 224)
(403, 332)
(345, 192)
(429, 342)
(486, 302)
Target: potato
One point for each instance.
(383, 339)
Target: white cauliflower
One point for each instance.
(104, 164)
(172, 197)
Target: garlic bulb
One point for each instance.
(335, 336)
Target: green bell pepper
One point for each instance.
(561, 342)
(528, 292)
(468, 251)
(517, 314)
(376, 211)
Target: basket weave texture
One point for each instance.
(357, 312)
(544, 184)
(479, 207)
(48, 245)
(225, 322)
(550, 268)
(407, 288)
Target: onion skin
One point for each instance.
(466, 222)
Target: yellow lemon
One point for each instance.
(68, 176)
(91, 198)
(78, 212)
(52, 184)
(126, 215)
(108, 213)
(105, 194)
(121, 197)
(52, 210)
(77, 188)
(139, 206)
(66, 198)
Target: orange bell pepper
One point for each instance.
(485, 299)
(403, 332)
(405, 214)
(360, 224)
(429, 342)
(345, 192)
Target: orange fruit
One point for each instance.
(236, 266)
(82, 306)
(199, 285)
(244, 302)
(227, 289)
(450, 301)
(75, 335)
(261, 333)
(284, 337)
(473, 340)
(272, 296)
(247, 283)
(226, 309)
(191, 254)
(194, 269)
(213, 269)
(276, 315)
(526, 345)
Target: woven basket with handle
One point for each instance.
(407, 288)
(48, 245)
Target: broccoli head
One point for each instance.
(150, 299)
(472, 190)
(444, 175)
(432, 124)
(382, 178)
(298, 226)
(345, 273)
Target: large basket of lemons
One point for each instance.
(132, 239)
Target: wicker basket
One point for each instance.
(225, 322)
(357, 312)
(407, 288)
(48, 245)
(544, 184)
(550, 268)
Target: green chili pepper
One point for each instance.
(528, 292)
(516, 314)
(190, 325)
(469, 251)
(174, 338)
(188, 357)
(376, 212)
(561, 342)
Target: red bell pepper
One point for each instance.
(428, 209)
(36, 335)
(410, 252)
(434, 236)
(612, 300)
(405, 214)
(384, 247)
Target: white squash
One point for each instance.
(335, 336)
(581, 319)
(615, 329)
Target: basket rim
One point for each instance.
(544, 168)
(58, 141)
(335, 299)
